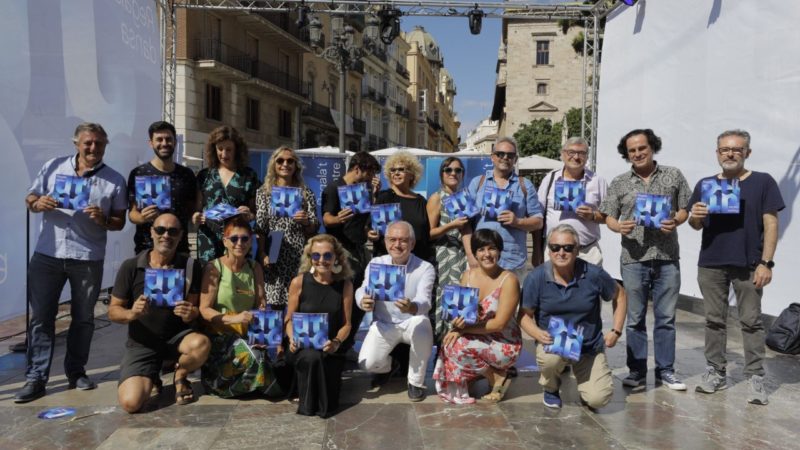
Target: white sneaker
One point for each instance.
(670, 380)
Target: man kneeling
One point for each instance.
(571, 289)
(403, 320)
(156, 333)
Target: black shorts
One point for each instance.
(143, 361)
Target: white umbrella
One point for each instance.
(536, 162)
(326, 149)
(414, 151)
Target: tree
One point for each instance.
(574, 121)
(539, 137)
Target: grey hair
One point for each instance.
(405, 224)
(564, 228)
(507, 139)
(575, 140)
(89, 127)
(735, 132)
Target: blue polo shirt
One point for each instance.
(515, 248)
(70, 234)
(578, 302)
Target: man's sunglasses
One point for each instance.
(555, 248)
(172, 231)
(327, 256)
(236, 238)
(505, 155)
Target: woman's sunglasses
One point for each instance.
(236, 238)
(456, 170)
(327, 256)
(281, 161)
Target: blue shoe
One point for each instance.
(552, 400)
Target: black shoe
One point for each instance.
(82, 382)
(379, 379)
(30, 392)
(416, 394)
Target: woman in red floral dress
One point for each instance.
(490, 346)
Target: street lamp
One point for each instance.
(343, 52)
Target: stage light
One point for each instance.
(629, 2)
(390, 24)
(475, 20)
(302, 15)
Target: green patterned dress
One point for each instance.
(451, 263)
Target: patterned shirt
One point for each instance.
(645, 244)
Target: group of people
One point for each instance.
(329, 273)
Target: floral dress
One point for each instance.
(451, 262)
(240, 191)
(279, 274)
(470, 355)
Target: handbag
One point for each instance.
(784, 334)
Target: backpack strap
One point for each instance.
(188, 275)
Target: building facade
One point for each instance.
(482, 138)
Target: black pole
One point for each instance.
(23, 346)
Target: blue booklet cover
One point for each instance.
(461, 204)
(273, 247)
(651, 209)
(721, 196)
(310, 329)
(567, 339)
(384, 214)
(387, 282)
(356, 197)
(153, 190)
(568, 195)
(164, 287)
(72, 192)
(460, 301)
(495, 201)
(286, 201)
(220, 212)
(266, 328)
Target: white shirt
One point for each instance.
(420, 276)
(596, 186)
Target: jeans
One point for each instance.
(46, 279)
(714, 284)
(662, 280)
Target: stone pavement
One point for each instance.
(650, 417)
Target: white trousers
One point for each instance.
(382, 337)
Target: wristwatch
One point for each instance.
(617, 332)
(768, 264)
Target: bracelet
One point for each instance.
(618, 333)
(336, 341)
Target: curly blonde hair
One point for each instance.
(407, 160)
(340, 253)
(297, 178)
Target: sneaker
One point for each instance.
(713, 381)
(552, 399)
(416, 393)
(670, 380)
(756, 394)
(30, 392)
(82, 382)
(634, 379)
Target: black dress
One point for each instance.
(413, 211)
(318, 375)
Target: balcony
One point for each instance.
(286, 22)
(402, 70)
(212, 49)
(359, 126)
(277, 77)
(319, 112)
(373, 142)
(380, 54)
(381, 143)
(433, 124)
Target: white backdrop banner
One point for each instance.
(65, 62)
(690, 70)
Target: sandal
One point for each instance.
(498, 390)
(185, 395)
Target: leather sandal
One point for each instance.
(498, 391)
(185, 395)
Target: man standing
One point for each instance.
(525, 214)
(586, 219)
(183, 188)
(404, 320)
(737, 249)
(156, 334)
(71, 247)
(649, 256)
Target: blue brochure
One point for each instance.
(266, 328)
(310, 330)
(495, 201)
(72, 192)
(460, 301)
(651, 209)
(273, 247)
(220, 212)
(568, 195)
(356, 197)
(567, 339)
(460, 204)
(721, 196)
(164, 287)
(153, 190)
(286, 201)
(387, 282)
(384, 214)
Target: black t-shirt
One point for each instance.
(183, 185)
(412, 210)
(353, 233)
(160, 324)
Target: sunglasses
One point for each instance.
(555, 248)
(397, 170)
(505, 155)
(455, 170)
(281, 161)
(236, 238)
(327, 256)
(172, 231)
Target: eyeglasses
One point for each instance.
(172, 231)
(505, 155)
(236, 238)
(392, 240)
(397, 170)
(281, 161)
(576, 153)
(456, 170)
(327, 256)
(731, 151)
(555, 248)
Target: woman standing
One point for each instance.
(284, 169)
(226, 179)
(323, 286)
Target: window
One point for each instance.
(541, 88)
(542, 53)
(253, 113)
(423, 100)
(436, 116)
(284, 123)
(213, 102)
